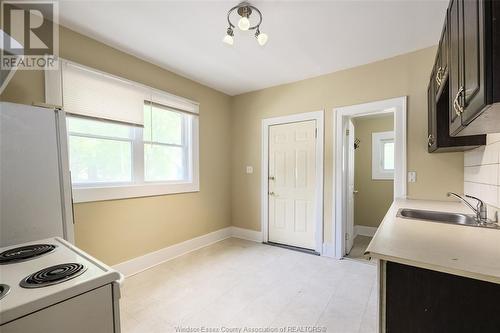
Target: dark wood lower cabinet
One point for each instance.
(426, 301)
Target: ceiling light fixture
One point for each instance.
(244, 10)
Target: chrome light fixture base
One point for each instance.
(244, 9)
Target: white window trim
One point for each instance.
(378, 173)
(82, 193)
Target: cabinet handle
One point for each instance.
(439, 79)
(456, 103)
(430, 140)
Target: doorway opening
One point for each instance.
(370, 155)
(292, 181)
(370, 178)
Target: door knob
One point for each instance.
(355, 192)
(273, 194)
(271, 178)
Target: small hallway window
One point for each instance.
(383, 155)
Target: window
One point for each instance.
(125, 139)
(100, 152)
(166, 145)
(383, 155)
(117, 157)
(388, 156)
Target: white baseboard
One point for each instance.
(251, 235)
(139, 264)
(364, 230)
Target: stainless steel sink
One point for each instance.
(443, 217)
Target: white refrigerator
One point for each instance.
(35, 184)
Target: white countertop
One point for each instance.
(461, 250)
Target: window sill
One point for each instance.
(383, 176)
(89, 194)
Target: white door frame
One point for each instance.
(341, 115)
(266, 123)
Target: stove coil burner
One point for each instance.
(4, 290)
(24, 253)
(53, 275)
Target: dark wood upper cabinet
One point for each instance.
(474, 75)
(431, 101)
(466, 77)
(442, 81)
(441, 67)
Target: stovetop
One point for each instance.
(61, 273)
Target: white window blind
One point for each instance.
(88, 92)
(93, 94)
(162, 98)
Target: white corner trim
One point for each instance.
(340, 116)
(364, 230)
(328, 250)
(247, 234)
(149, 260)
(139, 264)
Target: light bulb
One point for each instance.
(262, 39)
(244, 23)
(229, 40)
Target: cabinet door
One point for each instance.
(455, 67)
(438, 73)
(432, 121)
(441, 67)
(418, 300)
(472, 99)
(443, 50)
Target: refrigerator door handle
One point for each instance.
(71, 195)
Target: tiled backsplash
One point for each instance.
(482, 172)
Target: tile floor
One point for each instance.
(237, 283)
(359, 247)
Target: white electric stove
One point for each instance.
(52, 286)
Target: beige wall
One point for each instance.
(399, 76)
(374, 197)
(115, 231)
(230, 134)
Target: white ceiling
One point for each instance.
(306, 38)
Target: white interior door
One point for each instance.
(292, 184)
(350, 187)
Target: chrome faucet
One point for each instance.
(480, 209)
